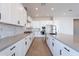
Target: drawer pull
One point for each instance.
(30, 38)
(12, 48)
(25, 43)
(66, 49)
(52, 43)
(60, 52)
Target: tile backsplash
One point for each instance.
(9, 30)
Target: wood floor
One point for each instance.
(39, 48)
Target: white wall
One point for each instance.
(64, 25)
(39, 22)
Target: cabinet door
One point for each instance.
(13, 13)
(50, 43)
(20, 48)
(31, 37)
(74, 53)
(9, 51)
(58, 48)
(28, 42)
(5, 10)
(5, 52)
(26, 45)
(67, 51)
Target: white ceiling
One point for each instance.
(60, 9)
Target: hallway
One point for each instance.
(39, 48)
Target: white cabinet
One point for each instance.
(29, 21)
(54, 46)
(28, 41)
(5, 10)
(20, 48)
(60, 49)
(50, 43)
(10, 51)
(67, 51)
(5, 52)
(74, 53)
(13, 13)
(57, 48)
(17, 49)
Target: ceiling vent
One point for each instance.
(43, 4)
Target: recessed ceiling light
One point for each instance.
(64, 13)
(36, 8)
(52, 9)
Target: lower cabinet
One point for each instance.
(5, 52)
(60, 49)
(51, 42)
(10, 51)
(57, 48)
(67, 51)
(20, 48)
(28, 41)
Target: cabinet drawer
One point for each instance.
(12, 48)
(74, 52)
(5, 52)
(70, 51)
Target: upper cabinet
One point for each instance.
(13, 13)
(29, 21)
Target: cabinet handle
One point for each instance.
(66, 49)
(60, 52)
(25, 43)
(30, 38)
(18, 22)
(12, 48)
(13, 54)
(52, 43)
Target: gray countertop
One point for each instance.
(8, 41)
(69, 40)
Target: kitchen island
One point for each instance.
(63, 42)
